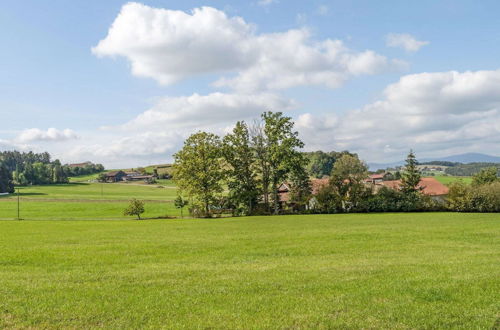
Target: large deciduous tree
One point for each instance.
(241, 172)
(282, 144)
(198, 169)
(347, 180)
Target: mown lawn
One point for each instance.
(425, 270)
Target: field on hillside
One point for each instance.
(89, 201)
(444, 179)
(425, 270)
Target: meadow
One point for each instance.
(83, 200)
(397, 271)
(448, 179)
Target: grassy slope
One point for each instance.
(427, 270)
(84, 201)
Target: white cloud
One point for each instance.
(51, 134)
(157, 133)
(216, 109)
(323, 10)
(266, 2)
(405, 41)
(433, 113)
(170, 45)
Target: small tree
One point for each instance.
(101, 177)
(411, 175)
(135, 207)
(180, 203)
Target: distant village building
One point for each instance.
(115, 176)
(428, 186)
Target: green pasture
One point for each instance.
(444, 179)
(385, 271)
(89, 201)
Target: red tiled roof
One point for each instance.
(429, 186)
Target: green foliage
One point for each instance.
(180, 203)
(6, 182)
(484, 176)
(32, 168)
(241, 170)
(281, 142)
(135, 207)
(470, 169)
(86, 169)
(390, 200)
(300, 185)
(474, 198)
(198, 170)
(411, 175)
(347, 179)
(321, 163)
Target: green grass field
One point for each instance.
(89, 201)
(387, 271)
(450, 179)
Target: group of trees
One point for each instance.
(483, 195)
(347, 192)
(250, 161)
(25, 168)
(88, 168)
(243, 171)
(321, 163)
(470, 169)
(32, 168)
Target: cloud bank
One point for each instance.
(434, 113)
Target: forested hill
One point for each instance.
(470, 169)
(26, 168)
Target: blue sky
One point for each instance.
(95, 103)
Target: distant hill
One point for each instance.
(470, 158)
(465, 158)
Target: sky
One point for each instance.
(124, 83)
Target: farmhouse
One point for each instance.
(115, 176)
(375, 178)
(284, 190)
(140, 177)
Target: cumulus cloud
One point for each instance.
(51, 134)
(405, 41)
(170, 45)
(215, 109)
(444, 112)
(160, 131)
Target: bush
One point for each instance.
(474, 198)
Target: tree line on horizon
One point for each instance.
(29, 168)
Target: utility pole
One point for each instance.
(18, 199)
